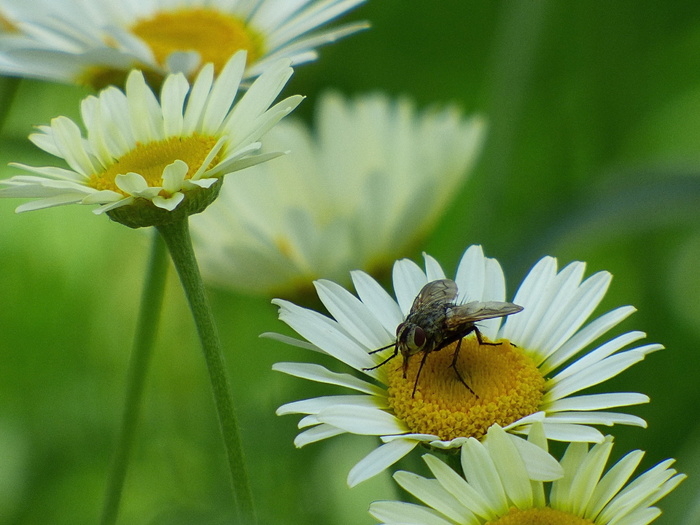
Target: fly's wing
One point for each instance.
(478, 311)
(442, 290)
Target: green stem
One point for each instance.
(177, 237)
(151, 302)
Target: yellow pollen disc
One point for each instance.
(214, 35)
(149, 160)
(508, 385)
(543, 516)
(6, 25)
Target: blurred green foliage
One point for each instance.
(593, 154)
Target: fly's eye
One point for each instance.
(416, 338)
(400, 329)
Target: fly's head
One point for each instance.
(411, 340)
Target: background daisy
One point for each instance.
(496, 489)
(530, 376)
(345, 197)
(140, 149)
(97, 42)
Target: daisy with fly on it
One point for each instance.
(495, 488)
(97, 42)
(543, 359)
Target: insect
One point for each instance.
(435, 322)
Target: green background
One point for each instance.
(593, 154)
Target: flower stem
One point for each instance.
(177, 238)
(149, 314)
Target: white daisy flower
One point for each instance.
(344, 198)
(97, 42)
(496, 489)
(529, 375)
(139, 150)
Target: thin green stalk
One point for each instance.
(177, 237)
(151, 302)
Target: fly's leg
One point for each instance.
(392, 356)
(422, 362)
(454, 366)
(481, 340)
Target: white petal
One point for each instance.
(457, 486)
(315, 434)
(480, 471)
(585, 336)
(131, 183)
(57, 200)
(613, 481)
(325, 333)
(433, 270)
(320, 374)
(378, 301)
(174, 176)
(597, 418)
(292, 341)
(597, 373)
(600, 353)
(408, 280)
(223, 93)
(471, 275)
(539, 464)
(352, 314)
(362, 420)
(169, 203)
(532, 294)
(379, 460)
(318, 404)
(572, 433)
(510, 465)
(430, 492)
(172, 101)
(400, 513)
(595, 402)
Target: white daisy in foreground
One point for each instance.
(138, 150)
(496, 489)
(97, 42)
(529, 375)
(344, 198)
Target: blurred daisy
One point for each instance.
(496, 489)
(97, 42)
(139, 150)
(345, 197)
(529, 376)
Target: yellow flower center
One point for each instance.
(507, 384)
(7, 25)
(216, 36)
(543, 516)
(149, 160)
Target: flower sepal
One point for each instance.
(143, 212)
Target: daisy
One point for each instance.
(97, 42)
(496, 489)
(344, 198)
(531, 373)
(140, 151)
